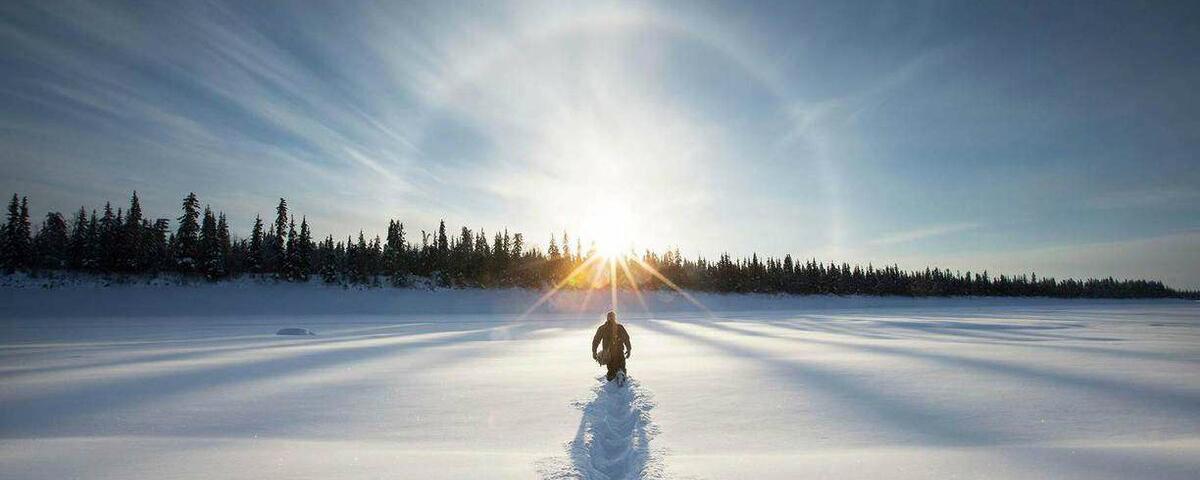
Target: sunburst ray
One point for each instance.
(663, 278)
(546, 297)
(633, 284)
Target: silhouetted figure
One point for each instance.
(616, 345)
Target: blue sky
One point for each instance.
(1006, 136)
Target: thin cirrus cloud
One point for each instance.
(783, 128)
(923, 233)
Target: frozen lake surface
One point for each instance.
(192, 382)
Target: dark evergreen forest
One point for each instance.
(125, 241)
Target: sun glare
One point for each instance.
(608, 228)
(609, 248)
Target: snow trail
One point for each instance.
(613, 439)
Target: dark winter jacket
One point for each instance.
(614, 341)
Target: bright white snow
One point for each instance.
(163, 381)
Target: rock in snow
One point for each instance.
(294, 331)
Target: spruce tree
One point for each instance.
(94, 250)
(187, 243)
(289, 267)
(224, 242)
(109, 239)
(212, 264)
(304, 251)
(553, 250)
(443, 244)
(256, 245)
(130, 249)
(14, 244)
(360, 260)
(276, 248)
(394, 253)
(159, 251)
(77, 251)
(51, 242)
(329, 260)
(25, 234)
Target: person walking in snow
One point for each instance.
(615, 340)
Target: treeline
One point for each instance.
(125, 241)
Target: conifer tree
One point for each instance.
(289, 268)
(224, 241)
(304, 247)
(212, 263)
(25, 234)
(187, 241)
(16, 238)
(276, 248)
(92, 261)
(443, 244)
(361, 261)
(108, 238)
(394, 252)
(77, 251)
(51, 242)
(130, 248)
(160, 252)
(256, 245)
(329, 260)
(553, 249)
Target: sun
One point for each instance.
(608, 227)
(610, 248)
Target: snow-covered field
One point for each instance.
(163, 382)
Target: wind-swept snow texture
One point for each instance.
(159, 381)
(613, 440)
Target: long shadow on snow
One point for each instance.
(977, 337)
(935, 427)
(1165, 398)
(29, 416)
(263, 343)
(882, 327)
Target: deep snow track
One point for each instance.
(613, 440)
